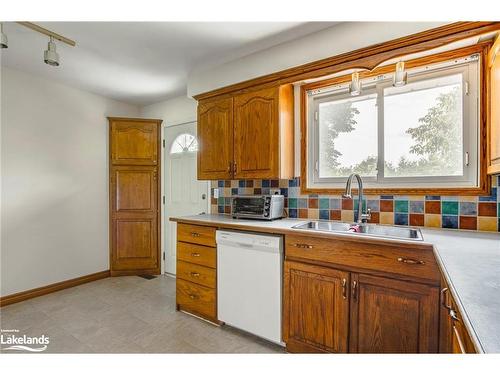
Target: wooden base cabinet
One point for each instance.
(334, 311)
(196, 283)
(316, 311)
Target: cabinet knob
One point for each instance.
(303, 246)
(193, 296)
(194, 234)
(195, 254)
(195, 274)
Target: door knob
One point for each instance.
(203, 196)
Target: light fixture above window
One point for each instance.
(50, 56)
(400, 76)
(4, 42)
(355, 85)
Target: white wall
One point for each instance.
(54, 181)
(173, 111)
(340, 38)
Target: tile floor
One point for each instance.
(124, 315)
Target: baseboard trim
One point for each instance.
(150, 271)
(32, 293)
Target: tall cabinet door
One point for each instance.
(392, 316)
(316, 309)
(256, 134)
(134, 196)
(215, 135)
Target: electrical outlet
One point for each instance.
(216, 193)
(274, 191)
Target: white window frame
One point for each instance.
(468, 67)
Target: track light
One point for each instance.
(50, 56)
(400, 76)
(4, 43)
(355, 85)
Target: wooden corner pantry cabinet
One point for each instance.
(134, 189)
(246, 136)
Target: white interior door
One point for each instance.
(184, 194)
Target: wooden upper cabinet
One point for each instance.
(316, 309)
(215, 139)
(134, 142)
(263, 133)
(392, 316)
(247, 136)
(494, 107)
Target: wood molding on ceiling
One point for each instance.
(364, 58)
(37, 292)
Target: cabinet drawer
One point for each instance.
(197, 274)
(196, 299)
(417, 262)
(196, 234)
(202, 255)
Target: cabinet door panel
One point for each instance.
(134, 142)
(391, 316)
(135, 189)
(215, 139)
(256, 134)
(135, 244)
(316, 308)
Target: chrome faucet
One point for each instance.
(362, 218)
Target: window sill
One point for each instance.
(465, 191)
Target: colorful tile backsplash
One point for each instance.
(463, 212)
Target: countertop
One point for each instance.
(469, 261)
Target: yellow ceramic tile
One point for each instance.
(417, 197)
(487, 223)
(214, 184)
(313, 213)
(347, 215)
(386, 218)
(283, 183)
(432, 220)
(227, 192)
(494, 181)
(234, 183)
(466, 198)
(257, 183)
(371, 197)
(214, 209)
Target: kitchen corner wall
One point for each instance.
(464, 212)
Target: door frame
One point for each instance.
(163, 210)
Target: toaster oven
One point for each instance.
(261, 207)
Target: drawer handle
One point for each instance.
(453, 315)
(193, 296)
(194, 234)
(443, 299)
(195, 274)
(303, 246)
(410, 261)
(195, 254)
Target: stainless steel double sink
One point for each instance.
(384, 231)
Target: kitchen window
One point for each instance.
(424, 134)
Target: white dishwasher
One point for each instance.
(249, 278)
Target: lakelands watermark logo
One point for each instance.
(11, 340)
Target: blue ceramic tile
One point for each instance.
(293, 191)
(241, 183)
(220, 183)
(324, 214)
(265, 191)
(292, 202)
(324, 204)
(220, 209)
(387, 197)
(303, 202)
(432, 198)
(417, 207)
(284, 191)
(227, 201)
(293, 183)
(335, 204)
(373, 204)
(491, 198)
(400, 219)
(292, 212)
(266, 183)
(234, 191)
(468, 208)
(449, 208)
(401, 206)
(449, 221)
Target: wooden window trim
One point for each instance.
(484, 186)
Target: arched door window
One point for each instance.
(184, 143)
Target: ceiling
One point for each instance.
(143, 62)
